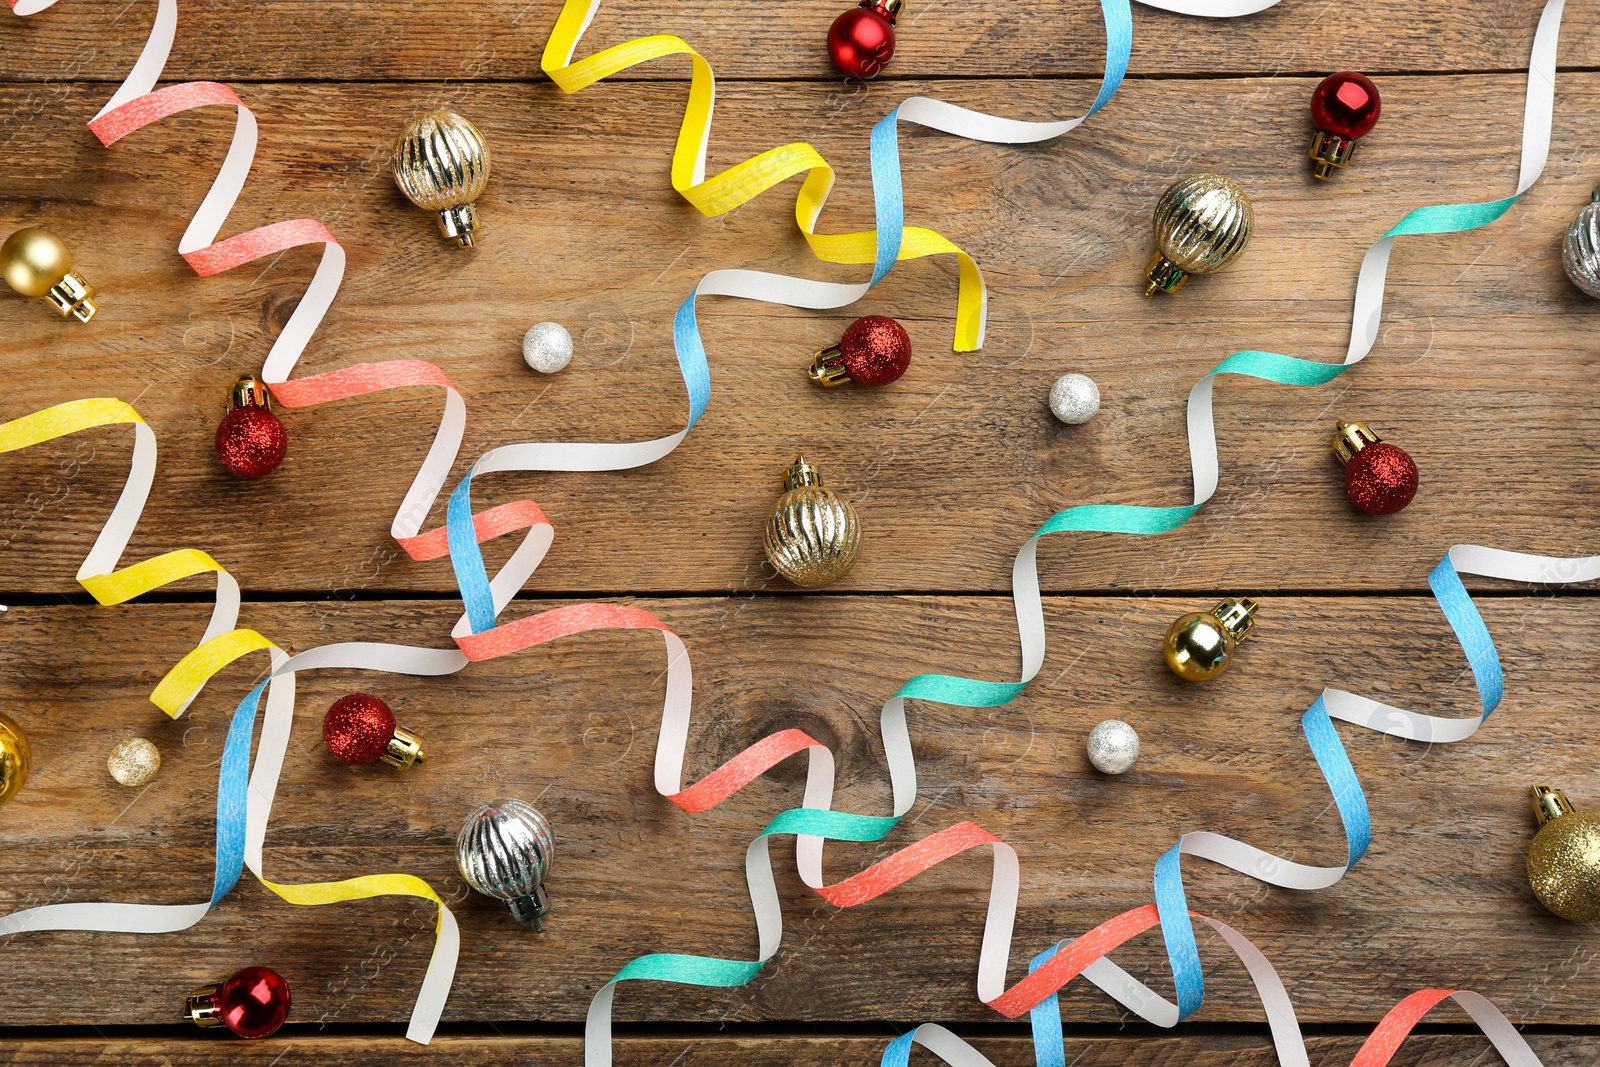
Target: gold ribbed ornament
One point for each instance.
(813, 537)
(441, 163)
(1564, 859)
(1202, 223)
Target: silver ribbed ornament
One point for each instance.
(441, 163)
(504, 850)
(1580, 252)
(1202, 223)
(813, 537)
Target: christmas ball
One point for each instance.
(1202, 223)
(812, 536)
(15, 758)
(1580, 252)
(1380, 479)
(547, 347)
(861, 41)
(441, 163)
(1074, 398)
(1346, 104)
(1564, 859)
(1113, 746)
(33, 260)
(357, 728)
(134, 762)
(251, 442)
(504, 850)
(254, 1002)
(1200, 645)
(875, 350)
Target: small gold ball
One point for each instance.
(15, 758)
(1198, 647)
(34, 259)
(134, 762)
(1564, 866)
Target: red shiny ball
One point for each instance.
(1380, 479)
(357, 728)
(251, 442)
(875, 350)
(1346, 104)
(254, 1002)
(861, 42)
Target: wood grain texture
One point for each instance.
(1482, 371)
(1427, 1050)
(502, 39)
(1440, 900)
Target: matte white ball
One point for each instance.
(1113, 746)
(547, 347)
(1074, 398)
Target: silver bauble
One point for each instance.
(1074, 399)
(1202, 224)
(1580, 252)
(504, 850)
(547, 347)
(1113, 746)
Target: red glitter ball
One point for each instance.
(1380, 479)
(861, 41)
(251, 442)
(875, 350)
(357, 728)
(254, 1002)
(1346, 104)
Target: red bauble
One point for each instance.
(1345, 104)
(875, 350)
(254, 1002)
(357, 728)
(861, 41)
(251, 442)
(1380, 479)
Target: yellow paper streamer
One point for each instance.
(744, 181)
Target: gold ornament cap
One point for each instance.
(1200, 645)
(37, 263)
(404, 749)
(1351, 437)
(1564, 859)
(441, 163)
(1201, 224)
(889, 9)
(201, 1007)
(15, 758)
(812, 537)
(247, 391)
(1330, 150)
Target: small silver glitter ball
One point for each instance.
(134, 762)
(547, 347)
(1580, 252)
(1074, 398)
(1113, 746)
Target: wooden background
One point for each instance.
(1483, 371)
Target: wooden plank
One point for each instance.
(1208, 1051)
(502, 39)
(1440, 900)
(1481, 372)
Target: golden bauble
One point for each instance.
(15, 758)
(134, 762)
(812, 537)
(1564, 859)
(441, 163)
(1202, 224)
(34, 260)
(1200, 645)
